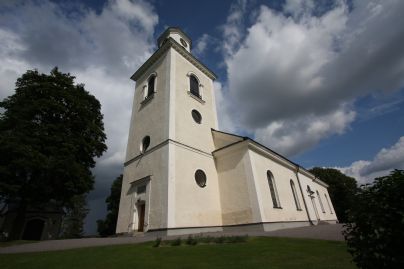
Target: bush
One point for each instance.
(375, 232)
(191, 241)
(176, 242)
(157, 242)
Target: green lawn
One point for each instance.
(256, 253)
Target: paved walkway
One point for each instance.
(325, 232)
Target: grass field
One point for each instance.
(255, 253)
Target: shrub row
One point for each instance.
(192, 241)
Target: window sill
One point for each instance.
(299, 209)
(147, 99)
(278, 207)
(197, 98)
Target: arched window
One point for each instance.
(194, 86)
(328, 202)
(150, 86)
(297, 203)
(272, 188)
(145, 144)
(321, 202)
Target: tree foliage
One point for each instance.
(108, 226)
(342, 189)
(50, 132)
(74, 220)
(375, 231)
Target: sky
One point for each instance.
(320, 82)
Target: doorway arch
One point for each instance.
(33, 229)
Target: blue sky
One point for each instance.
(320, 82)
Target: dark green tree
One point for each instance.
(76, 213)
(108, 226)
(342, 189)
(51, 130)
(374, 233)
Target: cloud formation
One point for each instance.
(386, 160)
(294, 75)
(102, 49)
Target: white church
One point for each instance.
(184, 176)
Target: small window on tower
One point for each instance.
(200, 178)
(196, 116)
(194, 86)
(145, 144)
(150, 86)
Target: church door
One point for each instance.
(141, 217)
(33, 229)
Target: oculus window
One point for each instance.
(200, 178)
(196, 116)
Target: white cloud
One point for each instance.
(201, 44)
(289, 75)
(385, 161)
(294, 136)
(101, 49)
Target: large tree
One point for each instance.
(76, 213)
(374, 233)
(51, 130)
(108, 226)
(342, 189)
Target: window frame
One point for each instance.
(201, 173)
(147, 95)
(198, 97)
(320, 201)
(328, 202)
(143, 147)
(273, 190)
(295, 197)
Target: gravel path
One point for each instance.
(325, 232)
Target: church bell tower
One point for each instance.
(170, 181)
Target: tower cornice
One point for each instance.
(171, 43)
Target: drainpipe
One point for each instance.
(301, 191)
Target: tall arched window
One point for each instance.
(272, 188)
(194, 86)
(328, 202)
(321, 202)
(297, 203)
(151, 85)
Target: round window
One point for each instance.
(183, 42)
(196, 116)
(200, 178)
(145, 144)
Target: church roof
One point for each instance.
(171, 30)
(257, 146)
(171, 43)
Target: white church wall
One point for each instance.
(155, 165)
(195, 206)
(315, 210)
(148, 119)
(151, 117)
(232, 168)
(187, 131)
(282, 176)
